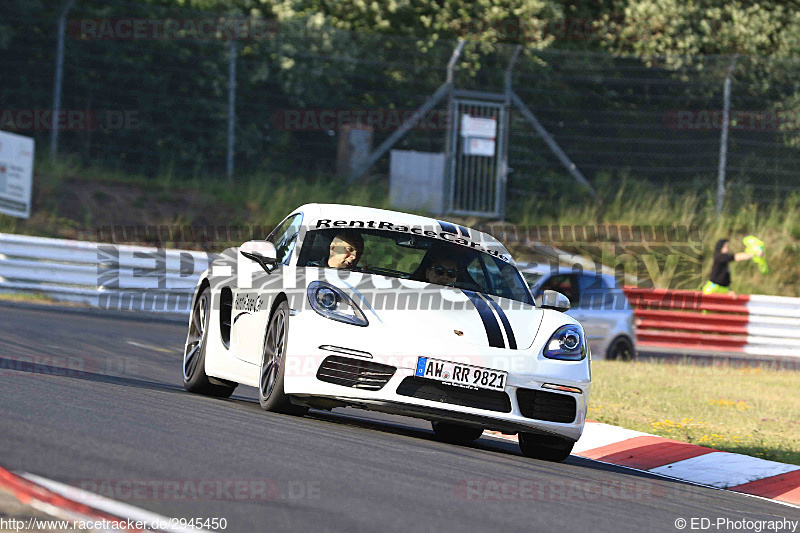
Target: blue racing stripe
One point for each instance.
(512, 341)
(464, 231)
(447, 227)
(493, 333)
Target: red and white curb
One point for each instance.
(687, 462)
(73, 504)
(690, 321)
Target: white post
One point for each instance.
(723, 140)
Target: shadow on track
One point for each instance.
(78, 370)
(496, 446)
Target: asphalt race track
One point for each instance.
(96, 400)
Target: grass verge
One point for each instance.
(630, 202)
(31, 297)
(748, 410)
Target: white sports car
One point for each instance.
(353, 306)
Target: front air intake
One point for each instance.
(547, 406)
(354, 373)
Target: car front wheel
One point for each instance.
(273, 359)
(620, 349)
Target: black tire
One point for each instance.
(272, 368)
(620, 349)
(456, 433)
(545, 447)
(194, 352)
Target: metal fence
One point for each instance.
(131, 278)
(276, 99)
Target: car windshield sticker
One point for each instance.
(493, 333)
(512, 341)
(453, 228)
(449, 233)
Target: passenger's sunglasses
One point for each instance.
(440, 271)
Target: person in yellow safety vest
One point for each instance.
(720, 278)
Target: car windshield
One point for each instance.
(415, 257)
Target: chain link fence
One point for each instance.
(156, 90)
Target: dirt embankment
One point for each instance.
(100, 210)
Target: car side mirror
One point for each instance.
(555, 300)
(262, 252)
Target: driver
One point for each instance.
(442, 272)
(345, 250)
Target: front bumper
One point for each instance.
(526, 369)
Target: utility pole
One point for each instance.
(56, 123)
(723, 141)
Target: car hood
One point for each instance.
(454, 315)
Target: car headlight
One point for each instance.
(567, 343)
(332, 303)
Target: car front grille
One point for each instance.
(547, 406)
(438, 392)
(355, 373)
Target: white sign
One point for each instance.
(478, 146)
(478, 127)
(16, 174)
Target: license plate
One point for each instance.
(460, 374)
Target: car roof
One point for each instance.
(315, 212)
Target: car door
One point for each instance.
(251, 305)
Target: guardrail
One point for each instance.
(155, 279)
(104, 275)
(690, 321)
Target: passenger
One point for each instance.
(442, 272)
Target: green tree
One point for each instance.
(651, 28)
(508, 21)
